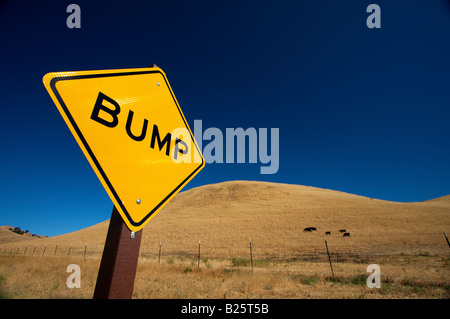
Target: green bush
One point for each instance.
(360, 280)
(304, 279)
(240, 262)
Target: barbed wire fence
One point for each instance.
(361, 248)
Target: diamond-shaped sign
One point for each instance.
(132, 131)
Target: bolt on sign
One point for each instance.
(130, 127)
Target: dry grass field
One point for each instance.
(405, 239)
(420, 277)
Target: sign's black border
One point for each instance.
(53, 82)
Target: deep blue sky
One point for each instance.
(364, 111)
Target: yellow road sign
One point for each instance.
(132, 131)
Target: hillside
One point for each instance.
(7, 236)
(231, 212)
(443, 201)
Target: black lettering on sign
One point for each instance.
(109, 117)
(99, 106)
(178, 150)
(128, 128)
(166, 140)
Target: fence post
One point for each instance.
(159, 255)
(447, 239)
(329, 259)
(34, 249)
(198, 258)
(251, 254)
(56, 248)
(70, 247)
(44, 250)
(26, 247)
(85, 247)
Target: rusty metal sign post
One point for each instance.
(119, 261)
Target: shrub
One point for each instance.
(304, 279)
(239, 262)
(17, 230)
(207, 263)
(360, 280)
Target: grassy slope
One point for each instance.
(236, 211)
